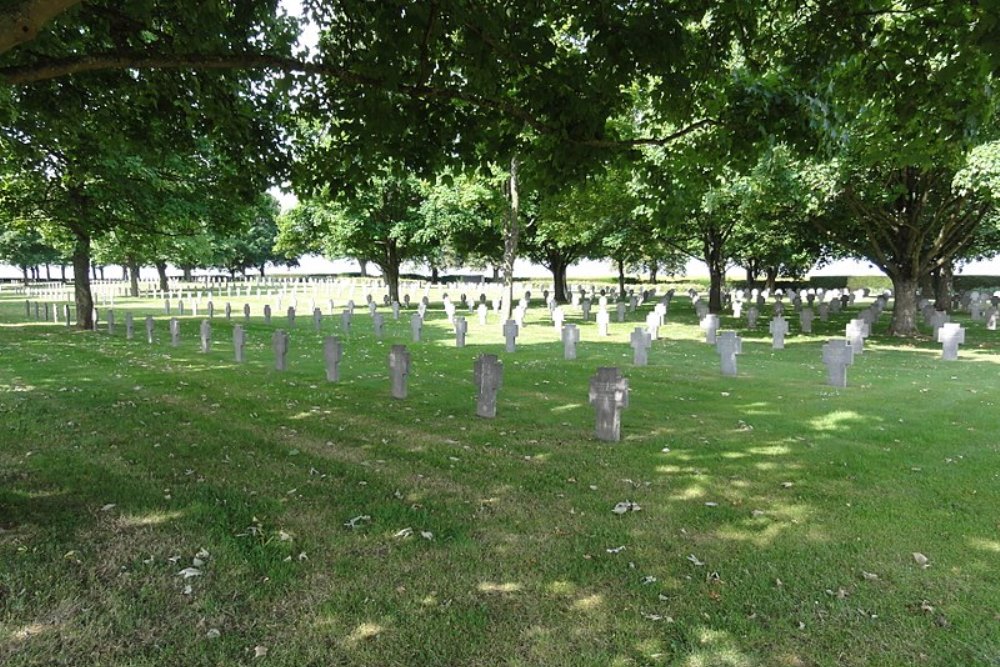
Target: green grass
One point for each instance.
(261, 469)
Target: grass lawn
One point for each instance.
(779, 516)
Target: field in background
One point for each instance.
(163, 506)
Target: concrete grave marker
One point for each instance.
(585, 309)
(609, 396)
(206, 336)
(710, 325)
(239, 344)
(752, 314)
(620, 311)
(837, 356)
(149, 329)
(806, 316)
(345, 321)
(570, 337)
(856, 331)
(229, 310)
(111, 320)
(175, 332)
(129, 326)
(778, 329)
(461, 328)
(378, 325)
(317, 319)
(488, 378)
(653, 325)
(291, 316)
(641, 341)
(482, 310)
(603, 322)
(416, 326)
(279, 345)
(950, 335)
(399, 370)
(333, 352)
(510, 331)
(246, 312)
(558, 317)
(728, 345)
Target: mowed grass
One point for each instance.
(766, 498)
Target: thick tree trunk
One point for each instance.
(161, 270)
(22, 20)
(81, 282)
(716, 276)
(621, 277)
(943, 287)
(363, 267)
(496, 273)
(751, 277)
(34, 273)
(435, 275)
(904, 308)
(27, 276)
(62, 271)
(558, 268)
(390, 271)
(654, 266)
(928, 285)
(133, 278)
(48, 274)
(512, 230)
(101, 269)
(187, 273)
(261, 268)
(771, 278)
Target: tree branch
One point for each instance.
(21, 22)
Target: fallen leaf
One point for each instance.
(353, 522)
(869, 576)
(648, 579)
(109, 506)
(926, 607)
(921, 560)
(259, 651)
(694, 559)
(405, 532)
(213, 634)
(426, 534)
(189, 572)
(615, 550)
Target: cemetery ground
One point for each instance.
(162, 506)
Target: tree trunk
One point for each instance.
(558, 268)
(62, 270)
(654, 266)
(621, 277)
(928, 284)
(101, 269)
(81, 282)
(435, 275)
(133, 277)
(943, 287)
(34, 273)
(48, 274)
(904, 308)
(751, 276)
(363, 267)
(512, 229)
(187, 273)
(715, 277)
(161, 270)
(27, 276)
(771, 278)
(261, 268)
(496, 273)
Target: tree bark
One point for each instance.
(187, 273)
(363, 267)
(435, 275)
(751, 277)
(133, 277)
(621, 277)
(943, 287)
(771, 278)
(512, 229)
(21, 21)
(904, 308)
(557, 265)
(261, 268)
(81, 281)
(654, 267)
(161, 270)
(48, 273)
(27, 276)
(62, 271)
